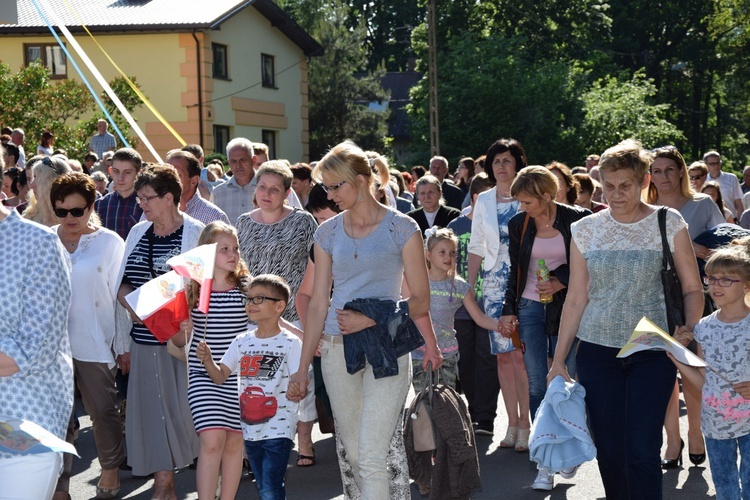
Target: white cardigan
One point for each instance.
(123, 324)
(485, 234)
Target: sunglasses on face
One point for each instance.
(75, 212)
(696, 177)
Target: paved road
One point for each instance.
(505, 474)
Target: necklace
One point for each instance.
(501, 196)
(351, 230)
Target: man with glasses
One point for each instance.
(119, 210)
(731, 191)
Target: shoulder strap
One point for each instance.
(520, 249)
(150, 236)
(666, 258)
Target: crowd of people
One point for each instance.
(501, 277)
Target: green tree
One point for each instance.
(487, 92)
(340, 99)
(615, 110)
(388, 27)
(31, 100)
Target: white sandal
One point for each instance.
(522, 442)
(510, 438)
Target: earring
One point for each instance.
(360, 197)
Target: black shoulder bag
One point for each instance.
(669, 280)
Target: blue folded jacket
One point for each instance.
(393, 336)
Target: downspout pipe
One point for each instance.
(200, 88)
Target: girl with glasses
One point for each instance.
(724, 342)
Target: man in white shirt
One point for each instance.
(17, 139)
(731, 191)
(235, 197)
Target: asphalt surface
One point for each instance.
(505, 474)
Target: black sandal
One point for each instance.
(300, 456)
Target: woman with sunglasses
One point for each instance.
(96, 254)
(159, 429)
(670, 187)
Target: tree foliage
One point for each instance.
(549, 72)
(32, 101)
(615, 110)
(340, 89)
(487, 92)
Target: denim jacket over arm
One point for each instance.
(393, 336)
(520, 257)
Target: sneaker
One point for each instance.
(544, 480)
(568, 473)
(484, 428)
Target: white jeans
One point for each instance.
(366, 413)
(29, 477)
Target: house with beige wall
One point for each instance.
(214, 69)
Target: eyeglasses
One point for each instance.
(333, 188)
(258, 299)
(146, 199)
(696, 177)
(61, 213)
(722, 282)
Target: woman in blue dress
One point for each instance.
(490, 242)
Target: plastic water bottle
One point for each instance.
(542, 274)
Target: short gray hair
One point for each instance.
(428, 179)
(241, 142)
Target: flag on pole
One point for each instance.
(649, 336)
(161, 304)
(198, 264)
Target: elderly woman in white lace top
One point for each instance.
(615, 261)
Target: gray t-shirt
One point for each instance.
(726, 347)
(701, 214)
(445, 298)
(377, 271)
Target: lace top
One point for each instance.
(624, 265)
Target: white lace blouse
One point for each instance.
(624, 265)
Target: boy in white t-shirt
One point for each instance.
(265, 358)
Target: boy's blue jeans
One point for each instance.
(268, 460)
(722, 455)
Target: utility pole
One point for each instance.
(434, 121)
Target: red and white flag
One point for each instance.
(198, 264)
(161, 304)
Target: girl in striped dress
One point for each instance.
(215, 408)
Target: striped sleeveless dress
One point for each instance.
(216, 406)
